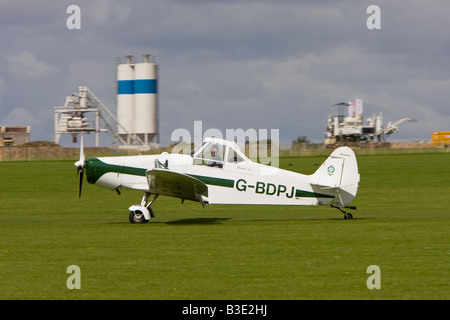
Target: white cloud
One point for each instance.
(24, 65)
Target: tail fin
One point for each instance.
(338, 174)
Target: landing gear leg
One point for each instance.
(144, 202)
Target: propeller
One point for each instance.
(80, 164)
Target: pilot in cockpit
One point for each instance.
(215, 158)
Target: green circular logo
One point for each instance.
(331, 169)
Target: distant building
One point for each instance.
(14, 135)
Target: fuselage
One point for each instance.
(245, 182)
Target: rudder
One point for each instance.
(339, 174)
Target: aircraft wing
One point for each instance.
(178, 185)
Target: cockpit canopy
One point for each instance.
(216, 152)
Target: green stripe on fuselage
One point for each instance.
(308, 194)
(214, 181)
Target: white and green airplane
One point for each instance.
(219, 173)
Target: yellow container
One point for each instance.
(439, 138)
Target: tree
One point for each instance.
(301, 139)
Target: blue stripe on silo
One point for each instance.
(125, 86)
(145, 86)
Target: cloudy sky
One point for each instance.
(261, 64)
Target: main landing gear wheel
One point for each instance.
(142, 213)
(138, 216)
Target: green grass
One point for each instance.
(227, 252)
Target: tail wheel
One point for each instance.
(348, 216)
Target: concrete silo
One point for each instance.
(137, 102)
(125, 98)
(145, 100)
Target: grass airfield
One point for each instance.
(227, 252)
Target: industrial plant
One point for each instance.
(348, 128)
(134, 126)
